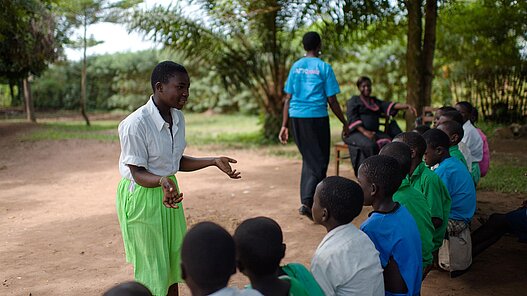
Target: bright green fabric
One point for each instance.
(454, 151)
(304, 276)
(152, 235)
(296, 288)
(437, 196)
(416, 203)
(476, 173)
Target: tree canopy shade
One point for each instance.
(251, 44)
(28, 42)
(486, 61)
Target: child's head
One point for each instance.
(453, 130)
(208, 257)
(452, 115)
(440, 112)
(170, 83)
(259, 246)
(421, 129)
(415, 141)
(437, 143)
(466, 109)
(128, 289)
(337, 200)
(379, 177)
(311, 41)
(402, 153)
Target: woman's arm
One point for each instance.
(335, 107)
(283, 136)
(189, 164)
(171, 195)
(404, 106)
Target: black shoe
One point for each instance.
(305, 211)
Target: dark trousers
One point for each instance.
(312, 137)
(361, 147)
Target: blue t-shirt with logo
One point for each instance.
(311, 81)
(460, 185)
(395, 234)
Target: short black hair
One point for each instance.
(384, 171)
(128, 289)
(311, 41)
(414, 140)
(421, 129)
(164, 71)
(208, 255)
(259, 244)
(436, 138)
(363, 79)
(342, 197)
(453, 127)
(402, 153)
(467, 105)
(453, 115)
(446, 109)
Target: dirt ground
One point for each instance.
(60, 234)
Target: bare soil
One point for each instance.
(60, 234)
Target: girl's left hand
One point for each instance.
(223, 163)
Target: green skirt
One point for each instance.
(152, 235)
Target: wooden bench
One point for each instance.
(340, 147)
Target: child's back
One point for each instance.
(397, 238)
(346, 261)
(391, 227)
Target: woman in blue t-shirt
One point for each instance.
(311, 85)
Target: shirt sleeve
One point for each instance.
(353, 113)
(324, 275)
(133, 146)
(331, 85)
(288, 88)
(436, 192)
(387, 107)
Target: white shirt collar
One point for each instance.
(156, 116)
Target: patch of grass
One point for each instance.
(61, 130)
(507, 174)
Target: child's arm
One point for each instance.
(393, 280)
(189, 164)
(171, 194)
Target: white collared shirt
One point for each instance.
(473, 141)
(347, 263)
(146, 141)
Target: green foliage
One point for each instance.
(485, 61)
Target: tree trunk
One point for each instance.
(413, 58)
(12, 92)
(428, 52)
(30, 110)
(83, 76)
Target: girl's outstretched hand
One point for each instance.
(171, 195)
(223, 163)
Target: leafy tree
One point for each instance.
(485, 62)
(250, 45)
(83, 13)
(29, 42)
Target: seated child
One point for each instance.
(208, 259)
(455, 132)
(490, 232)
(472, 139)
(429, 183)
(421, 129)
(128, 289)
(440, 112)
(455, 254)
(346, 261)
(390, 226)
(260, 248)
(484, 164)
(412, 199)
